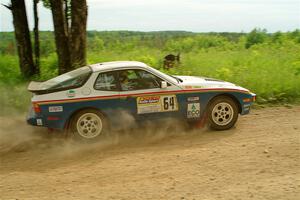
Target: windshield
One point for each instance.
(73, 78)
(168, 77)
(178, 79)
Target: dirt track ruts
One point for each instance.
(259, 159)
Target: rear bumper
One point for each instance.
(53, 122)
(33, 119)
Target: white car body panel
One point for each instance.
(100, 68)
(87, 90)
(193, 82)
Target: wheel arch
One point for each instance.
(69, 120)
(234, 98)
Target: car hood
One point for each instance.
(195, 82)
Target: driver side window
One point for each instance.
(138, 80)
(128, 80)
(148, 80)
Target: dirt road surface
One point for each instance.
(259, 159)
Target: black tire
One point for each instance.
(88, 125)
(222, 113)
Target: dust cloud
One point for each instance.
(16, 136)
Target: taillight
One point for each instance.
(36, 108)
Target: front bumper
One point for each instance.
(247, 103)
(253, 97)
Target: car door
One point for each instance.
(106, 91)
(142, 96)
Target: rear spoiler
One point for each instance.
(34, 86)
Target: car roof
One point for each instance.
(116, 65)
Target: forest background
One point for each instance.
(266, 63)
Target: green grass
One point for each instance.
(270, 73)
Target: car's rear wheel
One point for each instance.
(222, 113)
(89, 125)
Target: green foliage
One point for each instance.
(9, 73)
(256, 36)
(195, 43)
(49, 67)
(278, 37)
(46, 4)
(14, 99)
(269, 66)
(96, 44)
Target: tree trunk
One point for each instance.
(78, 32)
(61, 36)
(36, 37)
(67, 15)
(22, 35)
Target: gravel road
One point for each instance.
(258, 159)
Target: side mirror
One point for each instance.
(163, 84)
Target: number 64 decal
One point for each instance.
(169, 103)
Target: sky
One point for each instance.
(187, 15)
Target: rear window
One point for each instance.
(72, 79)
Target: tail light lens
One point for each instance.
(36, 108)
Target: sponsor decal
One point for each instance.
(152, 104)
(193, 99)
(71, 93)
(193, 110)
(55, 108)
(247, 105)
(39, 122)
(148, 104)
(197, 86)
(247, 109)
(193, 86)
(149, 100)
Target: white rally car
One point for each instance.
(88, 101)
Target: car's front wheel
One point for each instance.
(222, 113)
(88, 125)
